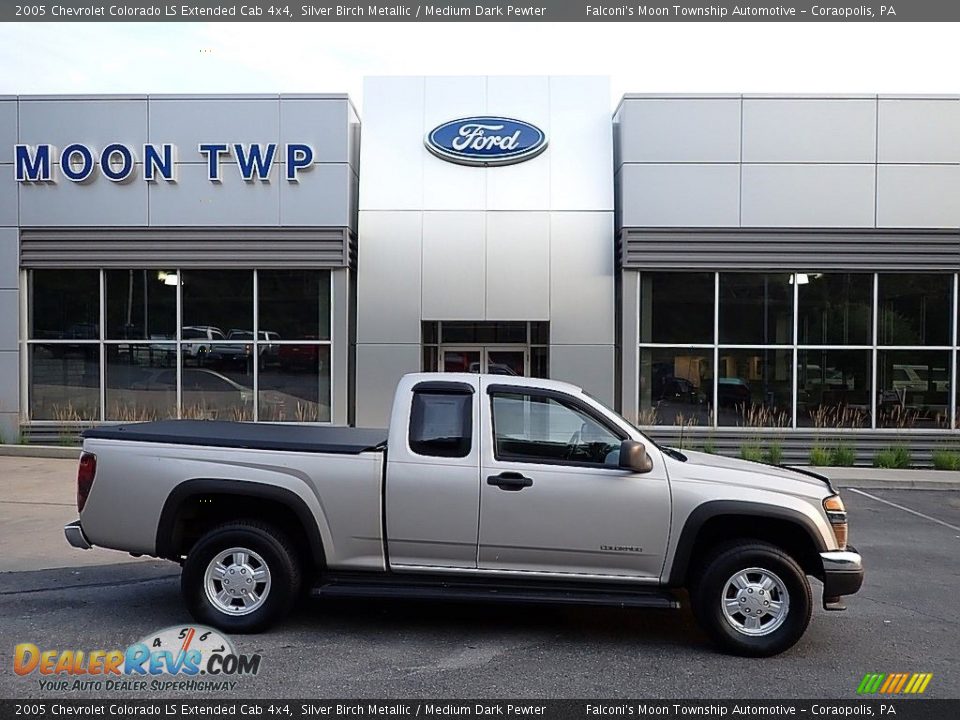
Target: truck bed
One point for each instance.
(255, 436)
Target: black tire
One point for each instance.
(276, 551)
(709, 588)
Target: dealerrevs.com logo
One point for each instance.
(178, 658)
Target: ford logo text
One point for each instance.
(486, 141)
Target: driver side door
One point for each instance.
(553, 498)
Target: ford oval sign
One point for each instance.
(486, 141)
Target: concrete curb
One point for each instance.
(40, 451)
(867, 478)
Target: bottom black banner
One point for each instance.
(901, 709)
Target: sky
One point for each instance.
(913, 58)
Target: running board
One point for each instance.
(541, 594)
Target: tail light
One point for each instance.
(85, 475)
(837, 514)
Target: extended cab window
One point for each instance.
(441, 423)
(537, 428)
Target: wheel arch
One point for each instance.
(279, 503)
(732, 519)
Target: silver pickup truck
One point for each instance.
(486, 487)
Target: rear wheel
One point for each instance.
(241, 577)
(752, 599)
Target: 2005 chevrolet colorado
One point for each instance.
(484, 488)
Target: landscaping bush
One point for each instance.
(946, 459)
(710, 447)
(843, 456)
(820, 457)
(751, 452)
(892, 458)
(774, 454)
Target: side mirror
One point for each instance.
(633, 456)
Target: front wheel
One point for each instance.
(752, 599)
(241, 577)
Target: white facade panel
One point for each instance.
(581, 149)
(99, 202)
(8, 132)
(9, 258)
(582, 308)
(918, 196)
(809, 131)
(660, 130)
(93, 122)
(322, 124)
(379, 369)
(680, 195)
(388, 277)
(526, 186)
(919, 131)
(808, 195)
(523, 97)
(391, 153)
(453, 187)
(517, 279)
(589, 366)
(321, 198)
(187, 123)
(196, 201)
(454, 277)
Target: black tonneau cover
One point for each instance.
(257, 436)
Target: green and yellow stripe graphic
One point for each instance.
(894, 683)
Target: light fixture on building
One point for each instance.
(802, 278)
(167, 278)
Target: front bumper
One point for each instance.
(74, 534)
(842, 575)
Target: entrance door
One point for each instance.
(493, 360)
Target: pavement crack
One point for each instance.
(83, 586)
(949, 621)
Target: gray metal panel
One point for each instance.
(321, 197)
(680, 130)
(808, 195)
(918, 195)
(100, 202)
(794, 130)
(589, 366)
(694, 249)
(919, 131)
(9, 256)
(379, 369)
(9, 319)
(8, 131)
(185, 247)
(8, 197)
(322, 124)
(517, 278)
(9, 390)
(186, 123)
(340, 347)
(453, 266)
(66, 120)
(194, 200)
(682, 194)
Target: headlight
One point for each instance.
(837, 514)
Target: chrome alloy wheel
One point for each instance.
(755, 602)
(237, 581)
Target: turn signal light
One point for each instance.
(837, 514)
(85, 475)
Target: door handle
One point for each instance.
(510, 481)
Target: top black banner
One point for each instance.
(482, 11)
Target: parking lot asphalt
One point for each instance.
(904, 620)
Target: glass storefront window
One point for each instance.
(755, 388)
(676, 386)
(915, 309)
(295, 384)
(64, 305)
(141, 381)
(833, 388)
(223, 388)
(676, 308)
(294, 304)
(835, 308)
(220, 300)
(756, 309)
(141, 304)
(913, 389)
(64, 381)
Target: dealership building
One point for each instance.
(729, 268)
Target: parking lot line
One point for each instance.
(905, 509)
